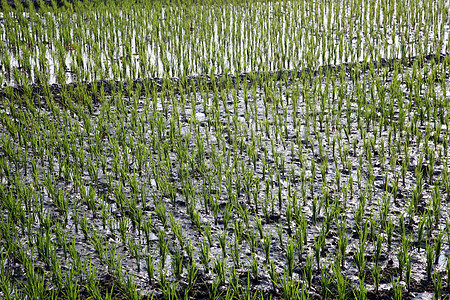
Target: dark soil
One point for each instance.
(352, 166)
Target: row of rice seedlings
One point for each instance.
(73, 43)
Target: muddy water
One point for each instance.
(173, 41)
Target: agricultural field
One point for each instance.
(225, 149)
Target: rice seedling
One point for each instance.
(437, 283)
(398, 289)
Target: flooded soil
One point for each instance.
(127, 184)
(305, 159)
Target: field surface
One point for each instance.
(225, 150)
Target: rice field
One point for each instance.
(224, 149)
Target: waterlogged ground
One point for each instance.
(327, 181)
(72, 43)
(245, 187)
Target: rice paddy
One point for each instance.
(224, 150)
